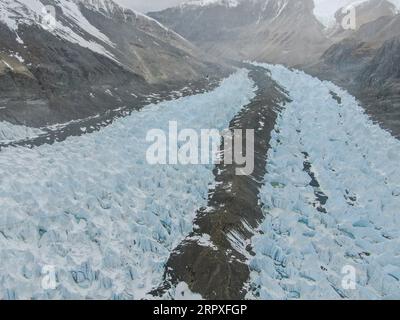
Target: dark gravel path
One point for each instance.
(221, 271)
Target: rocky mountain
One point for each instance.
(263, 30)
(65, 60)
(367, 63)
(354, 50)
(356, 14)
(359, 54)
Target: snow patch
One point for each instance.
(15, 13)
(72, 10)
(182, 292)
(13, 133)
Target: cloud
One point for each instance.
(148, 5)
(325, 9)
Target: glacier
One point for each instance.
(92, 209)
(13, 133)
(331, 199)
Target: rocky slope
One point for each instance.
(363, 13)
(367, 64)
(261, 30)
(78, 58)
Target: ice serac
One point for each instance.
(92, 209)
(72, 59)
(331, 197)
(264, 30)
(10, 132)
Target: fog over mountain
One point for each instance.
(324, 9)
(274, 31)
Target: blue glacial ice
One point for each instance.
(346, 218)
(13, 133)
(92, 208)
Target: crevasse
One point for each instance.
(331, 200)
(93, 208)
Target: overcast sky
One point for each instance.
(148, 5)
(324, 8)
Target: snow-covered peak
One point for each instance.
(72, 26)
(360, 4)
(367, 11)
(107, 6)
(270, 8)
(67, 20)
(233, 3)
(205, 3)
(325, 9)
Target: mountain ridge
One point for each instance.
(247, 30)
(96, 56)
(366, 63)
